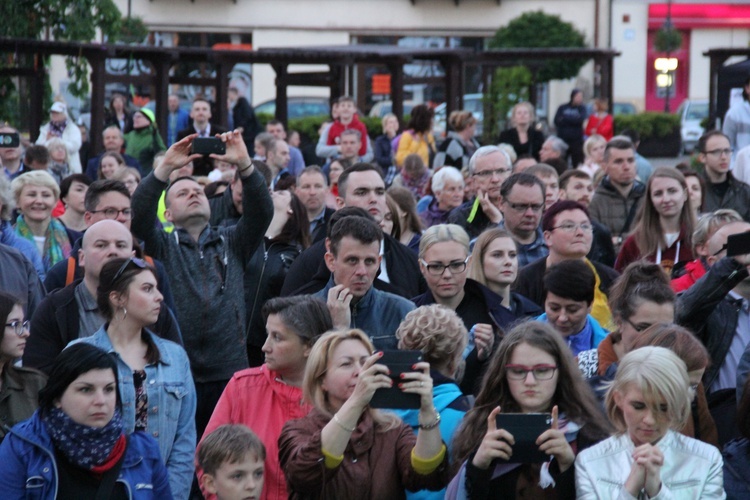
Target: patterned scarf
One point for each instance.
(56, 245)
(85, 447)
(416, 185)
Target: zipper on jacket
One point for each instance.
(260, 280)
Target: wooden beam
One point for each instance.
(281, 93)
(98, 73)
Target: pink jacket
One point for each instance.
(257, 398)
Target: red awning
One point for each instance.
(686, 16)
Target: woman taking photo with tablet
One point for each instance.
(648, 403)
(155, 384)
(74, 446)
(532, 371)
(345, 449)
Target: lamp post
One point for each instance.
(668, 27)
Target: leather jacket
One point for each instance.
(692, 469)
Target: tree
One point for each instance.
(540, 30)
(69, 20)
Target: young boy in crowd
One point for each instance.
(232, 459)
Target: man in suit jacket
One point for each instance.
(200, 113)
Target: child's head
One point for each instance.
(232, 459)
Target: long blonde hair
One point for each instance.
(317, 366)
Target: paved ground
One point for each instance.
(669, 162)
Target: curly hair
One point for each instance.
(436, 331)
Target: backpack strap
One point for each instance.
(70, 275)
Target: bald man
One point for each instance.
(71, 312)
(717, 310)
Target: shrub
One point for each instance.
(649, 124)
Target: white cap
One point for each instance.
(58, 107)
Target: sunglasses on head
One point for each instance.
(135, 260)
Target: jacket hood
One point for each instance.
(443, 395)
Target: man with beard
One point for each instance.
(616, 200)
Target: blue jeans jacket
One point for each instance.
(28, 468)
(171, 406)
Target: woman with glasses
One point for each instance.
(532, 371)
(648, 403)
(19, 386)
(641, 296)
(443, 259)
(36, 193)
(154, 379)
(664, 231)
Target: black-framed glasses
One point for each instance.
(570, 227)
(486, 174)
(19, 326)
(135, 260)
(438, 268)
(540, 372)
(112, 213)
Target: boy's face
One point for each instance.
(241, 480)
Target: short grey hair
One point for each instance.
(113, 127)
(486, 151)
(351, 131)
(443, 175)
(7, 202)
(557, 144)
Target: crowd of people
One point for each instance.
(227, 326)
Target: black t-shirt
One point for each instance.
(75, 483)
(720, 188)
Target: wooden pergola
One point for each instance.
(340, 61)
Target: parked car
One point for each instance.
(692, 112)
(472, 102)
(297, 107)
(382, 108)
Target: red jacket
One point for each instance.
(337, 127)
(693, 272)
(256, 398)
(604, 127)
(631, 253)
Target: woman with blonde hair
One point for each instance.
(664, 232)
(409, 224)
(129, 176)
(442, 337)
(345, 449)
(593, 152)
(460, 143)
(59, 164)
(525, 139)
(36, 193)
(648, 403)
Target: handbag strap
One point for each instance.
(107, 485)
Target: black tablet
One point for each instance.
(525, 428)
(398, 362)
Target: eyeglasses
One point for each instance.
(19, 326)
(571, 227)
(439, 268)
(520, 372)
(719, 152)
(640, 327)
(135, 260)
(486, 174)
(112, 213)
(522, 207)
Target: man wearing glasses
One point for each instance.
(568, 234)
(522, 206)
(722, 189)
(717, 310)
(488, 168)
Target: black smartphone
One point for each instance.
(9, 140)
(738, 244)
(398, 362)
(208, 145)
(525, 428)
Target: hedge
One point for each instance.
(649, 124)
(309, 125)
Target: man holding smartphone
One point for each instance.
(205, 264)
(11, 157)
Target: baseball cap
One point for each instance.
(58, 107)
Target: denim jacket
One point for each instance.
(28, 468)
(171, 405)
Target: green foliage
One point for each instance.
(132, 30)
(649, 124)
(509, 87)
(667, 39)
(68, 20)
(308, 126)
(540, 30)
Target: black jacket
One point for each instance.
(56, 323)
(382, 150)
(602, 250)
(223, 211)
(707, 311)
(530, 148)
(244, 116)
(530, 282)
(500, 317)
(309, 273)
(264, 277)
(321, 229)
(737, 197)
(460, 216)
